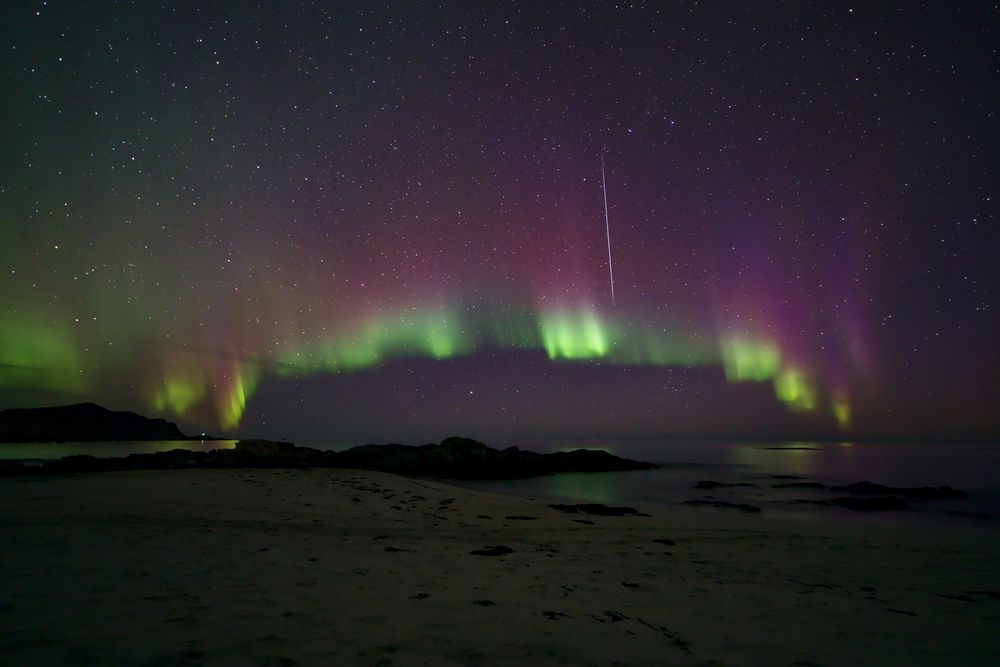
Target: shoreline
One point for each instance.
(277, 566)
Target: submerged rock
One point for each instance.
(709, 484)
(799, 485)
(867, 488)
(721, 504)
(873, 504)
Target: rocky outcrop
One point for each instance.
(721, 504)
(462, 458)
(82, 422)
(912, 492)
(710, 484)
(873, 504)
(800, 485)
(454, 458)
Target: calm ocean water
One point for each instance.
(974, 468)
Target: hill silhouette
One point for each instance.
(82, 422)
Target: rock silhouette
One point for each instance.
(455, 458)
(914, 493)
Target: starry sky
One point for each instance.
(340, 222)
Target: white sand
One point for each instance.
(261, 567)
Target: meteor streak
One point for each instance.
(607, 229)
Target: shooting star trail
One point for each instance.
(607, 229)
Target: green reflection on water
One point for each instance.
(599, 488)
(789, 458)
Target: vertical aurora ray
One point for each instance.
(840, 406)
(178, 395)
(235, 389)
(793, 388)
(437, 334)
(179, 391)
(573, 335)
(749, 359)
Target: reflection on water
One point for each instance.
(55, 450)
(971, 466)
(761, 468)
(598, 489)
(795, 458)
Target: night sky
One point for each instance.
(342, 224)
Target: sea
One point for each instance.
(762, 468)
(759, 468)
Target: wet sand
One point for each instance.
(285, 567)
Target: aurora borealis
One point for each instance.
(341, 222)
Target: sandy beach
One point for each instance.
(286, 567)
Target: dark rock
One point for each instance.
(264, 448)
(82, 422)
(596, 509)
(484, 603)
(665, 540)
(914, 493)
(555, 615)
(585, 522)
(875, 504)
(791, 449)
(518, 517)
(709, 484)
(462, 458)
(457, 458)
(629, 584)
(800, 485)
(498, 550)
(420, 596)
(749, 509)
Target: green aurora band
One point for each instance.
(38, 356)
